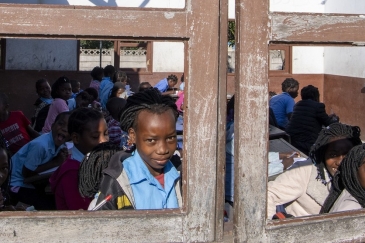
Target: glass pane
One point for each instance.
(133, 55)
(277, 60)
(95, 53)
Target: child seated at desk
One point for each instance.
(42, 104)
(147, 179)
(41, 154)
(87, 128)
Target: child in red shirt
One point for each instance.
(14, 126)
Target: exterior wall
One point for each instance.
(307, 59)
(28, 54)
(345, 61)
(340, 6)
(168, 57)
(313, 6)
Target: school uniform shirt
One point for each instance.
(147, 191)
(71, 103)
(105, 88)
(14, 130)
(114, 131)
(64, 184)
(299, 189)
(282, 105)
(345, 202)
(95, 84)
(58, 106)
(162, 85)
(35, 153)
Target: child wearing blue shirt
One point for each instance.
(147, 179)
(41, 154)
(166, 84)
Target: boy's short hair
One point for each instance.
(61, 115)
(115, 105)
(109, 71)
(74, 83)
(92, 91)
(172, 77)
(80, 117)
(289, 83)
(96, 72)
(39, 82)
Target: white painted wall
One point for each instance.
(345, 61)
(345, 6)
(168, 57)
(315, 6)
(26, 54)
(307, 59)
(111, 3)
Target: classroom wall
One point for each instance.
(344, 98)
(168, 57)
(347, 7)
(33, 54)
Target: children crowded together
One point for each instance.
(104, 147)
(87, 144)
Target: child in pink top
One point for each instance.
(61, 92)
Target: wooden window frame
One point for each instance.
(201, 218)
(288, 60)
(256, 28)
(149, 56)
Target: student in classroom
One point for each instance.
(143, 86)
(147, 179)
(61, 92)
(97, 75)
(41, 154)
(15, 127)
(106, 85)
(42, 104)
(167, 83)
(303, 188)
(87, 128)
(76, 88)
(348, 184)
(116, 135)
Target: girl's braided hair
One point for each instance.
(346, 178)
(335, 130)
(150, 100)
(80, 117)
(91, 168)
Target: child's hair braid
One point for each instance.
(335, 130)
(149, 99)
(60, 81)
(91, 168)
(80, 117)
(346, 178)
